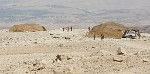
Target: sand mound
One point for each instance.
(109, 30)
(27, 27)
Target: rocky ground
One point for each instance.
(58, 52)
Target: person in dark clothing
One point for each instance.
(68, 29)
(139, 35)
(71, 28)
(102, 36)
(94, 36)
(89, 28)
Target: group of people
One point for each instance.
(68, 28)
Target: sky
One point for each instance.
(84, 4)
(73, 11)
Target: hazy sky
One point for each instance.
(84, 4)
(18, 8)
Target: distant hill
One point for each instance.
(145, 29)
(142, 28)
(4, 28)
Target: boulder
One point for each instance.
(27, 28)
(118, 58)
(121, 51)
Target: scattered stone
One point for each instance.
(93, 47)
(57, 34)
(61, 72)
(56, 37)
(69, 69)
(116, 69)
(51, 34)
(146, 60)
(10, 38)
(66, 70)
(37, 65)
(118, 58)
(7, 44)
(36, 62)
(35, 42)
(61, 45)
(67, 38)
(62, 58)
(136, 53)
(121, 51)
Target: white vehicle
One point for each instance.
(131, 34)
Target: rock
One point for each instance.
(121, 51)
(51, 34)
(93, 47)
(67, 38)
(60, 72)
(118, 58)
(35, 42)
(61, 45)
(146, 60)
(62, 58)
(69, 69)
(64, 70)
(136, 53)
(36, 65)
(56, 37)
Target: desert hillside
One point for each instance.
(145, 29)
(71, 52)
(109, 30)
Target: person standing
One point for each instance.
(71, 28)
(68, 29)
(94, 36)
(102, 36)
(89, 29)
(63, 29)
(139, 35)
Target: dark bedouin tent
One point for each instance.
(109, 30)
(27, 28)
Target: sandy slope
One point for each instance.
(50, 53)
